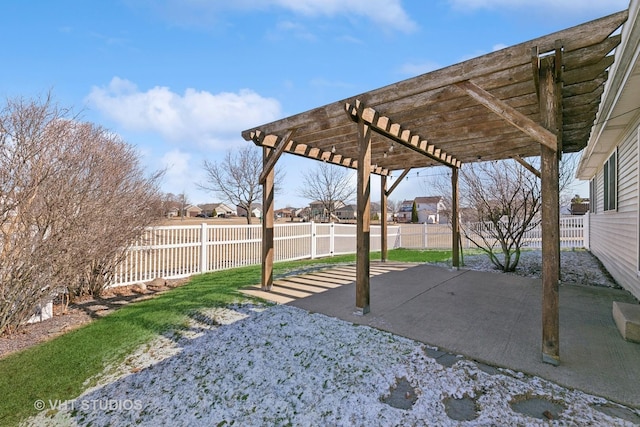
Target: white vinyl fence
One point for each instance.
(180, 251)
(574, 233)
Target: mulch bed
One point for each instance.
(80, 313)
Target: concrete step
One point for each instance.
(627, 318)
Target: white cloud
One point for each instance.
(199, 118)
(573, 6)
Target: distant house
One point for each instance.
(256, 210)
(304, 213)
(172, 211)
(319, 213)
(431, 210)
(404, 212)
(219, 210)
(192, 211)
(579, 206)
(347, 212)
(287, 212)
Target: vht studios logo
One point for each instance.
(89, 405)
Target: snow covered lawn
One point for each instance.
(254, 366)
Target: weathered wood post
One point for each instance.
(455, 220)
(364, 217)
(383, 218)
(267, 223)
(549, 171)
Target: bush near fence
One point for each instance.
(183, 250)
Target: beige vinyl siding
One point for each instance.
(614, 233)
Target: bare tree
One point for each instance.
(236, 179)
(505, 200)
(394, 207)
(170, 202)
(501, 202)
(72, 198)
(328, 184)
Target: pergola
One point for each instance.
(537, 98)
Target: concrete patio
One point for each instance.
(491, 318)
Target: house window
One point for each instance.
(592, 196)
(610, 183)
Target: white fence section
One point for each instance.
(573, 234)
(181, 251)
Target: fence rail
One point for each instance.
(180, 251)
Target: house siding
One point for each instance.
(614, 233)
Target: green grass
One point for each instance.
(58, 369)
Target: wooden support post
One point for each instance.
(455, 220)
(364, 218)
(550, 218)
(267, 224)
(383, 218)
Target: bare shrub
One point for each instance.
(500, 203)
(72, 198)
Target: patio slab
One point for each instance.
(496, 319)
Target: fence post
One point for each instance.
(332, 236)
(204, 267)
(586, 219)
(313, 240)
(424, 235)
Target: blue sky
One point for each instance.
(180, 79)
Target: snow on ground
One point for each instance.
(249, 365)
(578, 267)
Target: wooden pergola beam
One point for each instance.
(510, 114)
(274, 155)
(528, 166)
(394, 131)
(398, 181)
